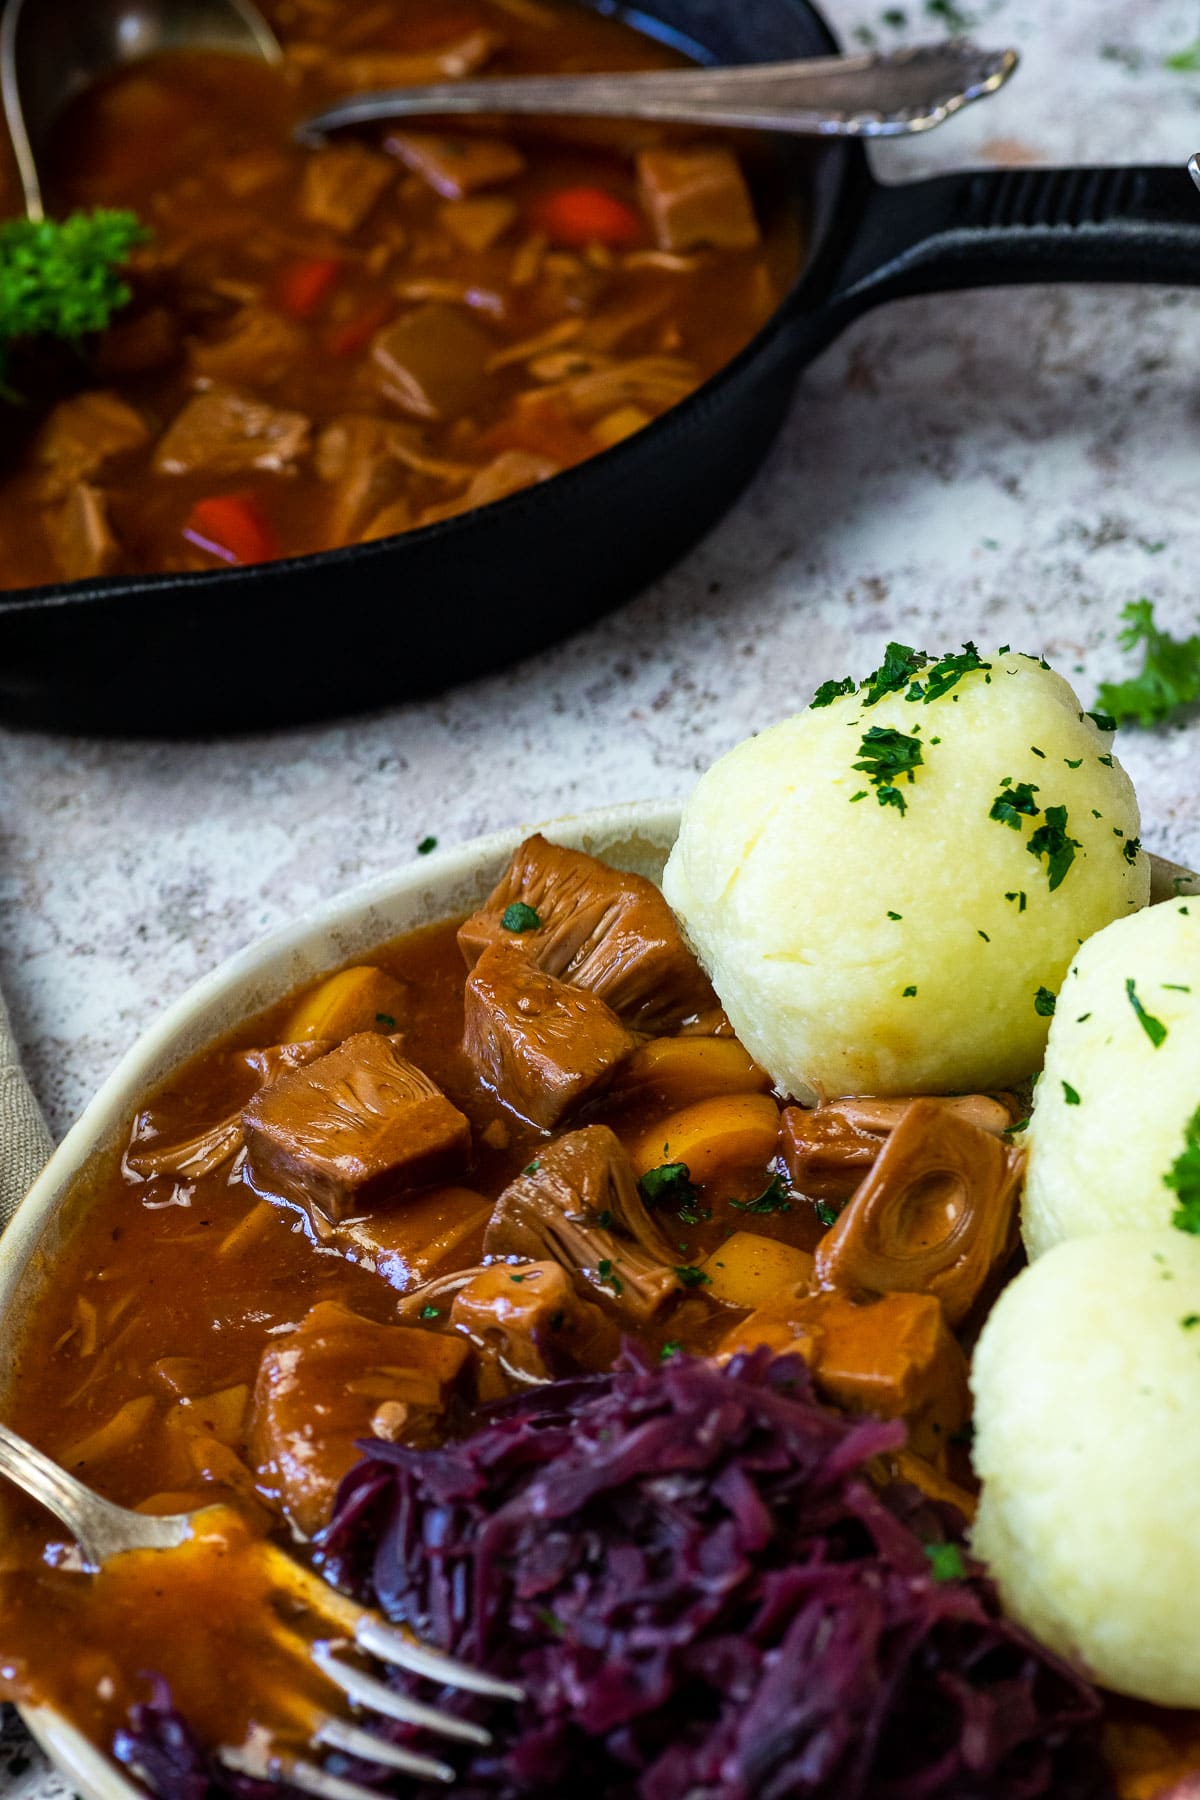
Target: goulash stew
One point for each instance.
(331, 345)
(436, 1185)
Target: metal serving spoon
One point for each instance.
(49, 52)
(878, 95)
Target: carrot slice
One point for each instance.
(579, 216)
(303, 285)
(356, 333)
(232, 527)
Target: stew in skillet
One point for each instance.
(337, 344)
(457, 1176)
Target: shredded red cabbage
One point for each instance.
(705, 1598)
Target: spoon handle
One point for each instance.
(881, 95)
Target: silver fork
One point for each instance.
(103, 1530)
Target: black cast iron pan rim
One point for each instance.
(599, 472)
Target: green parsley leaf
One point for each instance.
(773, 1199)
(1018, 895)
(1184, 62)
(910, 993)
(1183, 1178)
(1014, 802)
(946, 1562)
(1190, 1321)
(669, 1185)
(426, 845)
(1073, 762)
(691, 1277)
(899, 665)
(828, 1215)
(531, 1168)
(519, 917)
(945, 674)
(886, 756)
(1154, 1028)
(1043, 1003)
(550, 1621)
(1051, 841)
(608, 1276)
(1130, 849)
(895, 915)
(829, 691)
(1169, 679)
(60, 277)
(1070, 1094)
(386, 1020)
(1102, 721)
(431, 1312)
(669, 1349)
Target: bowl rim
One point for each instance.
(638, 834)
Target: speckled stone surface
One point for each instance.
(1009, 466)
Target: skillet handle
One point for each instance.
(1002, 227)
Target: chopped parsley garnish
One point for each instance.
(1019, 896)
(827, 1214)
(895, 915)
(1073, 762)
(1051, 841)
(773, 1199)
(1130, 849)
(899, 665)
(431, 1312)
(829, 691)
(669, 1185)
(1014, 802)
(984, 936)
(945, 674)
(61, 277)
(1154, 1028)
(1183, 1178)
(550, 1621)
(386, 1020)
(1169, 678)
(1070, 1094)
(910, 993)
(1043, 1003)
(519, 917)
(669, 1349)
(604, 1220)
(1190, 1321)
(887, 755)
(1038, 752)
(516, 1278)
(946, 1562)
(1177, 987)
(1102, 721)
(691, 1277)
(531, 1168)
(426, 845)
(609, 1277)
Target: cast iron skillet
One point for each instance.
(239, 649)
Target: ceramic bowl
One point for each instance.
(637, 837)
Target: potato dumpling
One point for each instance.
(1121, 1082)
(880, 887)
(1087, 1389)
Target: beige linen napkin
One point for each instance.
(25, 1142)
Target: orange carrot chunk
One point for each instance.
(579, 216)
(303, 285)
(232, 527)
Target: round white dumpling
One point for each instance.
(1087, 1397)
(1121, 1084)
(888, 928)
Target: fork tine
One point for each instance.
(311, 1778)
(338, 1734)
(378, 1639)
(376, 1697)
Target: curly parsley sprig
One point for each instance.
(62, 277)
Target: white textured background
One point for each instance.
(1010, 466)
